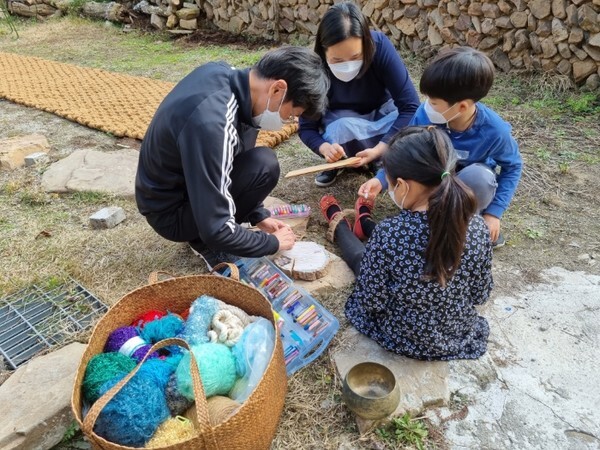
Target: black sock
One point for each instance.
(331, 211)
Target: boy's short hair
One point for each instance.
(457, 74)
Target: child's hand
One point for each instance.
(493, 224)
(370, 189)
(331, 152)
(371, 154)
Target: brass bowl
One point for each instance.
(370, 391)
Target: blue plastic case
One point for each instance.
(306, 327)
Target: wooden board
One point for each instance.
(305, 261)
(321, 167)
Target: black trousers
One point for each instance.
(254, 175)
(352, 248)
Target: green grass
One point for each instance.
(90, 43)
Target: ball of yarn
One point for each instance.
(225, 328)
(134, 413)
(217, 370)
(166, 327)
(126, 340)
(176, 401)
(157, 371)
(198, 321)
(171, 431)
(220, 409)
(148, 316)
(102, 368)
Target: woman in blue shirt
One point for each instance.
(423, 271)
(371, 95)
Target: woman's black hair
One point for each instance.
(341, 22)
(426, 155)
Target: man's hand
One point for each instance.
(493, 224)
(370, 189)
(371, 154)
(270, 225)
(331, 152)
(286, 238)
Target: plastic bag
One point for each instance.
(252, 355)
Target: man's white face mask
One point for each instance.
(270, 120)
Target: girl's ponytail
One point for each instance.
(426, 155)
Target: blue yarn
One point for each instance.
(168, 326)
(134, 414)
(201, 313)
(156, 370)
(217, 370)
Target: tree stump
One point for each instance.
(305, 261)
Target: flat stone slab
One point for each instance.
(14, 150)
(537, 387)
(338, 276)
(90, 170)
(422, 383)
(36, 400)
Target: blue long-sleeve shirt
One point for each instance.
(488, 141)
(387, 77)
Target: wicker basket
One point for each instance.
(254, 424)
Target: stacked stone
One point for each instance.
(176, 16)
(551, 35)
(40, 9)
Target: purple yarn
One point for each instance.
(127, 340)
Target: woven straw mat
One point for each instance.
(122, 105)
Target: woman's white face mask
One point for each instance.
(347, 70)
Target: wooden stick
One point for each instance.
(321, 167)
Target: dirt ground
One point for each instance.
(553, 221)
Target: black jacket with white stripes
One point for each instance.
(187, 156)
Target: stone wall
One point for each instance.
(560, 36)
(547, 35)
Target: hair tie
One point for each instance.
(444, 174)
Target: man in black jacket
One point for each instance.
(200, 174)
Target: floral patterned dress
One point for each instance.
(405, 314)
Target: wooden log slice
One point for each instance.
(305, 261)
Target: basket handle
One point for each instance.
(154, 276)
(235, 271)
(205, 429)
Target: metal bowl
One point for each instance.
(370, 390)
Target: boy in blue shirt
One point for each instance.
(454, 83)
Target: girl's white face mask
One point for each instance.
(392, 195)
(438, 117)
(346, 71)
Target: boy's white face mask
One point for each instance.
(347, 70)
(438, 117)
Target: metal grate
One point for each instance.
(35, 319)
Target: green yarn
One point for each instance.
(217, 370)
(102, 368)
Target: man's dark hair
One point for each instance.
(305, 75)
(457, 74)
(343, 21)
